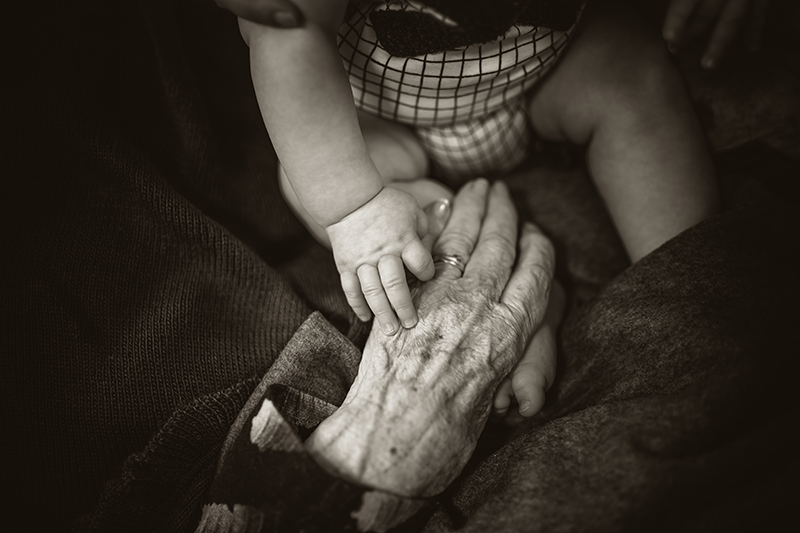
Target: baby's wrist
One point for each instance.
(347, 211)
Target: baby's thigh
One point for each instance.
(613, 57)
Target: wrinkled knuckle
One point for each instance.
(542, 276)
(500, 239)
(505, 255)
(458, 241)
(524, 320)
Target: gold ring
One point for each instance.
(452, 260)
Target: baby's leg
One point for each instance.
(400, 160)
(616, 91)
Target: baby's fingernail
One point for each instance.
(285, 19)
(441, 207)
(389, 329)
(524, 406)
(410, 323)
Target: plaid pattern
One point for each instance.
(468, 104)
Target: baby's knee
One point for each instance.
(605, 79)
(636, 93)
(647, 82)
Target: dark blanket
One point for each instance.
(152, 276)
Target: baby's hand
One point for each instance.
(686, 19)
(370, 247)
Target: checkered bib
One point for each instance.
(467, 105)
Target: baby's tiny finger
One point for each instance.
(393, 277)
(438, 212)
(355, 298)
(372, 288)
(418, 260)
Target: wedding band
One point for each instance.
(452, 260)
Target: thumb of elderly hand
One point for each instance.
(280, 13)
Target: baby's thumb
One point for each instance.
(437, 213)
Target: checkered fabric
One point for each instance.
(467, 105)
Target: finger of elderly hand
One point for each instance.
(355, 298)
(496, 249)
(527, 291)
(461, 231)
(755, 28)
(678, 14)
(393, 278)
(281, 13)
(726, 29)
(373, 291)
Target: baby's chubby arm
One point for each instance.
(308, 109)
(307, 106)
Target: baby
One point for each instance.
(361, 99)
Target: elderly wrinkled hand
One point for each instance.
(421, 398)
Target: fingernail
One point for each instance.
(524, 406)
(285, 19)
(388, 329)
(441, 208)
(408, 324)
